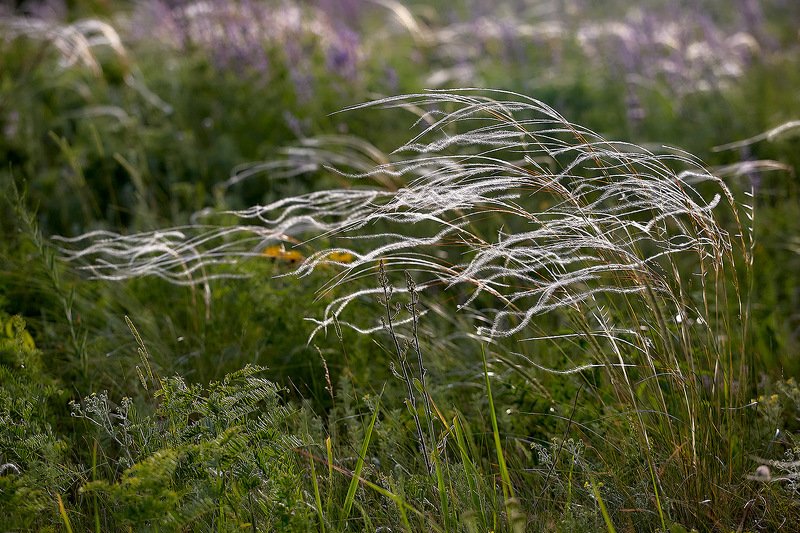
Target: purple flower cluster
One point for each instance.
(241, 35)
(47, 10)
(342, 53)
(683, 51)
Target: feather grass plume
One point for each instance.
(574, 217)
(76, 43)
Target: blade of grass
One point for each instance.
(63, 512)
(510, 502)
(470, 472)
(87, 201)
(94, 496)
(317, 498)
(658, 498)
(368, 525)
(329, 449)
(329, 462)
(441, 488)
(508, 490)
(402, 505)
(401, 509)
(351, 491)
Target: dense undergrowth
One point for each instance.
(245, 286)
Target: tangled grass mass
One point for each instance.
(580, 218)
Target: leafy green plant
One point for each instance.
(35, 463)
(217, 457)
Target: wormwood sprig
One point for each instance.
(207, 456)
(113, 419)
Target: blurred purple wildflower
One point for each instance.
(299, 70)
(241, 35)
(49, 10)
(232, 32)
(298, 126)
(344, 12)
(11, 125)
(391, 80)
(682, 49)
(342, 53)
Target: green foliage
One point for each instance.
(213, 457)
(35, 463)
(217, 414)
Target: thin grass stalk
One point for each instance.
(603, 510)
(441, 489)
(351, 490)
(95, 506)
(65, 297)
(63, 512)
(317, 497)
(470, 471)
(412, 307)
(402, 505)
(507, 487)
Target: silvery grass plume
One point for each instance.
(503, 202)
(76, 42)
(312, 155)
(79, 45)
(754, 169)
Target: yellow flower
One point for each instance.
(341, 257)
(279, 253)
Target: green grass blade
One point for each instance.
(658, 498)
(470, 472)
(441, 488)
(606, 517)
(508, 490)
(63, 512)
(513, 514)
(351, 491)
(96, 507)
(317, 498)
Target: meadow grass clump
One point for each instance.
(560, 246)
(519, 324)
